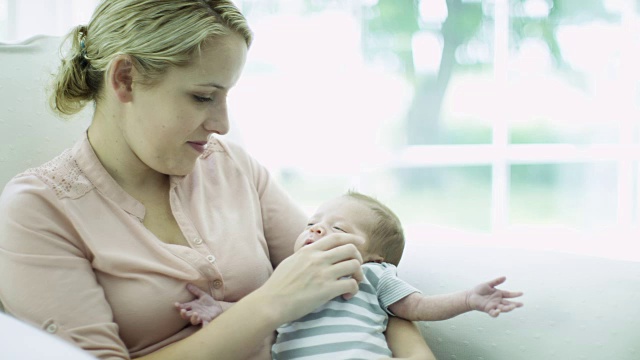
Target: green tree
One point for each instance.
(390, 25)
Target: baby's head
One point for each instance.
(358, 214)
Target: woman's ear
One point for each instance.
(121, 77)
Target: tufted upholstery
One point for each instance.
(576, 308)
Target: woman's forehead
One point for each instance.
(219, 63)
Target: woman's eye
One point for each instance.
(202, 98)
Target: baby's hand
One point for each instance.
(201, 310)
(485, 297)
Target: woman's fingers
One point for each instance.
(342, 253)
(337, 247)
(346, 286)
(315, 274)
(336, 240)
(349, 268)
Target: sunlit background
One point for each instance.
(499, 123)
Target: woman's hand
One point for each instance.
(314, 275)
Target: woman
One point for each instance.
(98, 244)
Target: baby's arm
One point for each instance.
(201, 310)
(484, 297)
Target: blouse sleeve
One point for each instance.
(282, 219)
(46, 277)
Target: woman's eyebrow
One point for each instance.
(217, 86)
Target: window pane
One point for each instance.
(449, 196)
(573, 72)
(454, 197)
(581, 196)
(444, 51)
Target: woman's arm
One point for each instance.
(300, 284)
(406, 341)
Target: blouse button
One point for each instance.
(197, 241)
(211, 258)
(217, 284)
(52, 328)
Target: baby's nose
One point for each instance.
(317, 229)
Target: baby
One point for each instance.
(353, 327)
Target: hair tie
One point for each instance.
(82, 35)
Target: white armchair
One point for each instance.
(576, 307)
(30, 133)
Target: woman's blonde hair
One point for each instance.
(384, 230)
(157, 34)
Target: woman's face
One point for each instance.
(170, 121)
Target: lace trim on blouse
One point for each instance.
(63, 176)
(213, 145)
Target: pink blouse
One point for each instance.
(77, 261)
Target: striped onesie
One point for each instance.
(346, 329)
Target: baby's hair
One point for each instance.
(386, 237)
(157, 34)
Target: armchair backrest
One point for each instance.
(30, 133)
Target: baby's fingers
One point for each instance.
(182, 306)
(511, 294)
(495, 282)
(185, 314)
(507, 306)
(195, 319)
(196, 290)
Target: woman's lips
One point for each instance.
(199, 146)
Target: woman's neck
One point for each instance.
(113, 151)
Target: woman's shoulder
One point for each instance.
(60, 175)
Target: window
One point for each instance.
(504, 122)
(493, 122)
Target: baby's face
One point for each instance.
(339, 215)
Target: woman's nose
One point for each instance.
(218, 120)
